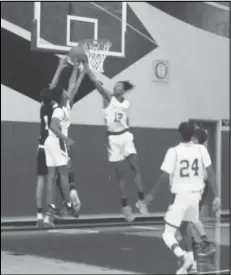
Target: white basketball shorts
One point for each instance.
(56, 152)
(120, 146)
(185, 207)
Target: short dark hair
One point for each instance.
(55, 94)
(201, 135)
(127, 85)
(186, 131)
(45, 95)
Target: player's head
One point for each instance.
(186, 131)
(60, 95)
(48, 96)
(200, 136)
(45, 95)
(121, 87)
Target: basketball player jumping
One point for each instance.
(184, 165)
(58, 142)
(46, 110)
(120, 140)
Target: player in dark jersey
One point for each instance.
(71, 201)
(204, 247)
(48, 103)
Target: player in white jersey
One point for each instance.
(120, 140)
(184, 166)
(58, 142)
(46, 110)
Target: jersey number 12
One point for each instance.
(118, 117)
(187, 167)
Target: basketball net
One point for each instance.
(96, 51)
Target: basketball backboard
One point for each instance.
(58, 26)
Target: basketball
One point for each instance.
(77, 53)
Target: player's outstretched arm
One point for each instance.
(75, 88)
(73, 78)
(164, 178)
(104, 92)
(62, 64)
(167, 168)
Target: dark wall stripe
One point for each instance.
(198, 14)
(136, 45)
(94, 176)
(18, 13)
(28, 72)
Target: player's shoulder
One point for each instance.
(202, 148)
(126, 103)
(171, 150)
(58, 111)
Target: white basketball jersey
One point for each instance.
(116, 115)
(63, 114)
(186, 164)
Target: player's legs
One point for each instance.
(186, 230)
(39, 199)
(55, 158)
(59, 188)
(50, 185)
(63, 174)
(39, 193)
(129, 151)
(41, 179)
(119, 168)
(52, 210)
(173, 220)
(191, 217)
(76, 203)
(133, 162)
(116, 158)
(204, 246)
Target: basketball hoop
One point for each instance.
(96, 51)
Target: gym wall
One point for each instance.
(197, 88)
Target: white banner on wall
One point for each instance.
(160, 70)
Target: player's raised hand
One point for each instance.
(63, 62)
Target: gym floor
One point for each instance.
(103, 250)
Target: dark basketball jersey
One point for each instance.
(46, 111)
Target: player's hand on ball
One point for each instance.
(216, 204)
(63, 62)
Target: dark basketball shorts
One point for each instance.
(41, 161)
(205, 191)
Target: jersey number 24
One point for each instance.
(187, 168)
